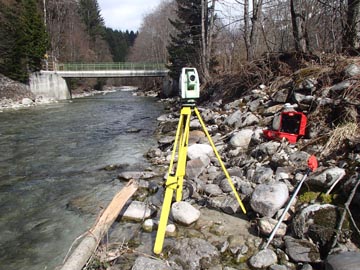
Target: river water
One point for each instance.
(51, 183)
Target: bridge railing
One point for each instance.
(109, 66)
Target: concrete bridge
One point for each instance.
(51, 81)
(107, 70)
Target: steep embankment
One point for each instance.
(208, 230)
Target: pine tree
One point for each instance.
(185, 47)
(90, 14)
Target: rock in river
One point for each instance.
(184, 213)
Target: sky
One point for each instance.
(126, 14)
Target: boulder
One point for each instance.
(267, 199)
(267, 225)
(352, 70)
(142, 263)
(343, 261)
(301, 250)
(212, 190)
(27, 101)
(195, 167)
(194, 253)
(136, 211)
(228, 204)
(136, 175)
(199, 150)
(242, 139)
(327, 177)
(262, 175)
(184, 213)
(263, 259)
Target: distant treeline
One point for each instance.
(62, 30)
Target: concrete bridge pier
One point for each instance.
(49, 86)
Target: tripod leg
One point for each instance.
(220, 161)
(183, 146)
(172, 183)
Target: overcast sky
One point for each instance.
(126, 14)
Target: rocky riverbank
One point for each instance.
(208, 230)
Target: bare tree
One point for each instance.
(352, 27)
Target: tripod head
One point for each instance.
(189, 85)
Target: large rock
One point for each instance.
(212, 190)
(142, 263)
(199, 150)
(195, 167)
(136, 211)
(267, 199)
(343, 261)
(263, 259)
(239, 119)
(194, 254)
(228, 204)
(242, 139)
(267, 225)
(352, 70)
(301, 250)
(318, 222)
(262, 175)
(327, 177)
(136, 175)
(184, 213)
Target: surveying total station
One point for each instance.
(189, 91)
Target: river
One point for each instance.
(52, 184)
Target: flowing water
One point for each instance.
(51, 182)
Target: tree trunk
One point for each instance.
(247, 29)
(204, 33)
(89, 243)
(298, 25)
(350, 38)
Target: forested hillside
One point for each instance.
(62, 30)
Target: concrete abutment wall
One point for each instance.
(49, 86)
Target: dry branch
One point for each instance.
(89, 243)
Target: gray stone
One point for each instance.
(247, 119)
(242, 139)
(254, 105)
(267, 199)
(195, 167)
(227, 204)
(278, 267)
(262, 175)
(212, 190)
(282, 173)
(301, 250)
(194, 253)
(273, 110)
(299, 158)
(225, 186)
(318, 222)
(352, 70)
(27, 101)
(136, 211)
(136, 175)
(267, 225)
(199, 150)
(343, 261)
(281, 95)
(307, 267)
(142, 263)
(184, 213)
(327, 177)
(234, 118)
(341, 86)
(263, 259)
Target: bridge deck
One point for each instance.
(108, 70)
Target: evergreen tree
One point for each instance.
(26, 40)
(185, 47)
(90, 14)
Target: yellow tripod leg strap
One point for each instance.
(220, 161)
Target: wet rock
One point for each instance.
(242, 139)
(318, 222)
(154, 152)
(142, 263)
(148, 225)
(166, 140)
(301, 250)
(184, 213)
(327, 177)
(136, 175)
(278, 267)
(136, 211)
(263, 259)
(266, 226)
(27, 101)
(267, 199)
(194, 254)
(199, 150)
(343, 261)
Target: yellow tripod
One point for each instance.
(174, 181)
